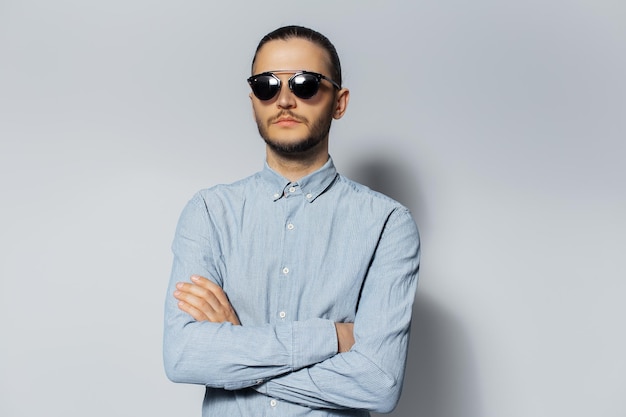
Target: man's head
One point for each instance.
(289, 32)
(294, 110)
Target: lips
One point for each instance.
(286, 121)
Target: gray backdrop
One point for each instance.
(500, 124)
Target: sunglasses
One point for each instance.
(304, 84)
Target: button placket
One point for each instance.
(292, 206)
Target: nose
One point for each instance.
(286, 98)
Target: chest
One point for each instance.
(297, 260)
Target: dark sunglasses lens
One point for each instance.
(265, 87)
(305, 85)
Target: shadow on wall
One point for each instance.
(441, 379)
(386, 175)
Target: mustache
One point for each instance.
(289, 114)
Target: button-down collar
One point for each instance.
(312, 186)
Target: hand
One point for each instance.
(345, 336)
(205, 301)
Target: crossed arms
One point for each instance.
(313, 362)
(206, 301)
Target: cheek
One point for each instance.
(259, 112)
(326, 110)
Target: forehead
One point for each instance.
(292, 54)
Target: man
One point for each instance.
(291, 290)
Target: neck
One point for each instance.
(294, 167)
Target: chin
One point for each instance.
(292, 138)
(292, 147)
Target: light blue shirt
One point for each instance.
(293, 259)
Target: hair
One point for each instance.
(289, 32)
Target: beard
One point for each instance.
(318, 131)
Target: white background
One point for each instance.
(500, 124)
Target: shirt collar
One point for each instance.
(311, 186)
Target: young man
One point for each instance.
(291, 290)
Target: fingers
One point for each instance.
(197, 295)
(205, 301)
(345, 336)
(198, 315)
(209, 285)
(200, 291)
(198, 299)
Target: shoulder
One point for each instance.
(361, 194)
(219, 200)
(368, 207)
(376, 210)
(226, 192)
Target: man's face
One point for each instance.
(288, 124)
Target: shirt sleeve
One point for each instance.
(222, 355)
(370, 375)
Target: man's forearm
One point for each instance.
(206, 301)
(227, 356)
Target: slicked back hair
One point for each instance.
(289, 32)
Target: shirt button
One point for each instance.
(290, 226)
(309, 196)
(282, 314)
(292, 189)
(273, 403)
(276, 195)
(285, 270)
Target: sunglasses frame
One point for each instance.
(290, 82)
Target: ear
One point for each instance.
(341, 103)
(252, 106)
